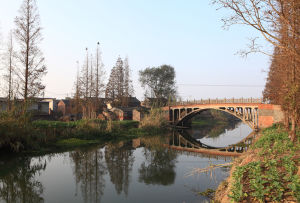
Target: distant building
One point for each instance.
(53, 104)
(36, 106)
(122, 113)
(133, 102)
(139, 113)
(64, 106)
(40, 108)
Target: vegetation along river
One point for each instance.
(140, 170)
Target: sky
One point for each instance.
(187, 35)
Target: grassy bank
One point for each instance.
(21, 135)
(269, 172)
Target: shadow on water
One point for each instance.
(141, 170)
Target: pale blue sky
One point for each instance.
(185, 34)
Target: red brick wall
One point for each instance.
(265, 121)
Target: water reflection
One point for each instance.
(119, 160)
(219, 136)
(18, 181)
(142, 170)
(89, 170)
(158, 167)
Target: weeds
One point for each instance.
(272, 178)
(155, 118)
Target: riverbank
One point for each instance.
(48, 136)
(268, 172)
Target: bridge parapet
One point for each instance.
(219, 101)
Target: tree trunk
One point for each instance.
(293, 127)
(286, 121)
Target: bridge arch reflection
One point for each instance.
(181, 140)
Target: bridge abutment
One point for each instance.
(269, 114)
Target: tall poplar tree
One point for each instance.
(28, 35)
(9, 68)
(99, 85)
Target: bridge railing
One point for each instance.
(218, 101)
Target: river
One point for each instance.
(140, 170)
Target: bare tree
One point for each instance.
(78, 93)
(128, 87)
(85, 75)
(92, 87)
(28, 34)
(99, 73)
(9, 63)
(278, 23)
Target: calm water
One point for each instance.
(221, 136)
(142, 170)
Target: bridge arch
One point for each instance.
(247, 115)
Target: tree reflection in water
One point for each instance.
(119, 160)
(158, 168)
(18, 180)
(89, 170)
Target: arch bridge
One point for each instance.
(251, 111)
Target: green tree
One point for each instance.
(160, 81)
(119, 87)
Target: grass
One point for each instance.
(272, 176)
(155, 119)
(20, 136)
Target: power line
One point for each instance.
(220, 85)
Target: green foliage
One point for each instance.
(237, 187)
(274, 141)
(54, 124)
(274, 176)
(290, 177)
(160, 81)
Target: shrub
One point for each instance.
(155, 118)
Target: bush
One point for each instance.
(155, 118)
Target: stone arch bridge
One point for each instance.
(253, 112)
